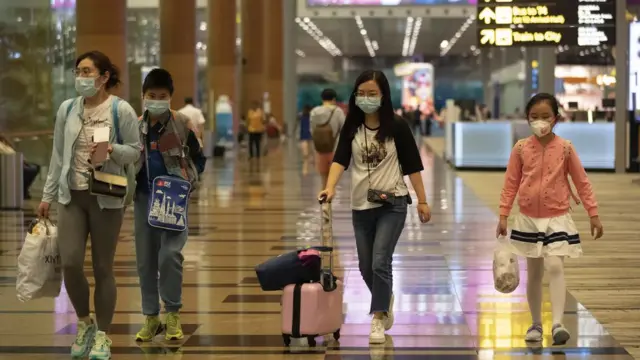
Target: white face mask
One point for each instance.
(540, 128)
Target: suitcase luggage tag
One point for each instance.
(327, 278)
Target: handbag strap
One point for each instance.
(366, 157)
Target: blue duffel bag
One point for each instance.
(296, 267)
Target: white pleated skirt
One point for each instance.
(536, 238)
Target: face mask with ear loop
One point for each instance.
(86, 86)
(540, 128)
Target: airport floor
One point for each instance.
(446, 307)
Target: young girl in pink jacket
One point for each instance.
(543, 231)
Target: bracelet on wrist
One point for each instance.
(423, 203)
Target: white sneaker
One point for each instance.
(101, 348)
(377, 331)
(534, 333)
(560, 334)
(388, 323)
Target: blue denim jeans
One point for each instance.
(158, 251)
(377, 231)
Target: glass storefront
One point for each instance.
(38, 51)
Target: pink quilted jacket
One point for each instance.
(539, 176)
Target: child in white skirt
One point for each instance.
(543, 231)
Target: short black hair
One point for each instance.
(188, 100)
(543, 97)
(329, 95)
(158, 79)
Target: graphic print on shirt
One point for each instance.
(373, 152)
(98, 117)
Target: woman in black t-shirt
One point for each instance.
(383, 150)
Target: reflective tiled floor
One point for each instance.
(446, 307)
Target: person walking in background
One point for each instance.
(326, 121)
(81, 213)
(255, 128)
(29, 170)
(159, 251)
(195, 115)
(304, 126)
(382, 149)
(543, 231)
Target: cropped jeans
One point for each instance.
(159, 259)
(377, 231)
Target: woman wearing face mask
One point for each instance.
(80, 213)
(165, 134)
(383, 150)
(543, 231)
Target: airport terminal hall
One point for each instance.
(319, 179)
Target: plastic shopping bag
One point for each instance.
(39, 267)
(506, 271)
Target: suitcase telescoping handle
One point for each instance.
(326, 230)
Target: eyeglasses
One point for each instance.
(84, 72)
(371, 94)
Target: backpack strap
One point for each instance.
(71, 105)
(330, 117)
(116, 119)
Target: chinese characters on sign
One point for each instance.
(546, 23)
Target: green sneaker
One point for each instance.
(101, 348)
(152, 327)
(174, 329)
(84, 340)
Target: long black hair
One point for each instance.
(355, 116)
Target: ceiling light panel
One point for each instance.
(307, 25)
(365, 36)
(300, 53)
(444, 50)
(411, 33)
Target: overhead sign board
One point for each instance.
(546, 23)
(388, 2)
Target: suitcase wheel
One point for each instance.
(311, 340)
(287, 339)
(336, 335)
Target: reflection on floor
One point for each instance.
(446, 307)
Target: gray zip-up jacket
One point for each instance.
(66, 132)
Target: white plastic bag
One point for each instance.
(506, 271)
(39, 267)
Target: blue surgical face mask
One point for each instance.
(156, 107)
(86, 86)
(368, 104)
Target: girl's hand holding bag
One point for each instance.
(506, 271)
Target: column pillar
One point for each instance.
(289, 60)
(547, 70)
(253, 45)
(178, 47)
(102, 25)
(221, 53)
(531, 75)
(273, 17)
(622, 86)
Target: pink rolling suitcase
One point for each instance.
(313, 309)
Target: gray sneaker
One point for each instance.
(534, 333)
(560, 334)
(84, 340)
